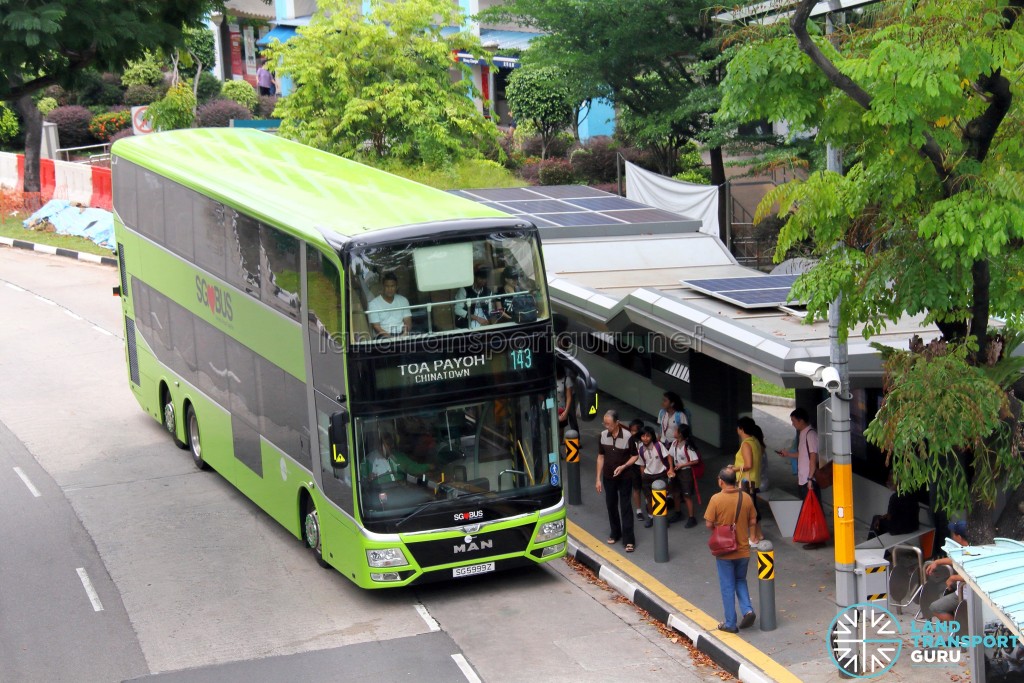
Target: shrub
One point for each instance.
(209, 87)
(218, 113)
(145, 71)
(72, 125)
(95, 89)
(46, 105)
(558, 147)
(58, 93)
(265, 108)
(241, 92)
(138, 95)
(596, 162)
(174, 110)
(8, 123)
(105, 126)
(697, 176)
(96, 109)
(556, 172)
(126, 133)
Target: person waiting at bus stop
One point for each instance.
(389, 313)
(614, 479)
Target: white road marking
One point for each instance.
(89, 590)
(73, 315)
(467, 670)
(16, 288)
(28, 483)
(102, 331)
(431, 622)
(45, 300)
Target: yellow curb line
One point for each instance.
(761, 660)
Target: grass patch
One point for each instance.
(11, 226)
(471, 173)
(760, 386)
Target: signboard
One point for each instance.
(237, 67)
(140, 126)
(439, 369)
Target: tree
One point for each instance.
(927, 221)
(538, 95)
(44, 44)
(381, 84)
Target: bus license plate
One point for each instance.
(472, 570)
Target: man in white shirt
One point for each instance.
(389, 313)
(806, 456)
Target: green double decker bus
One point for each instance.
(370, 360)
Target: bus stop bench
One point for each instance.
(887, 541)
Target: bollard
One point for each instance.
(766, 584)
(573, 494)
(660, 510)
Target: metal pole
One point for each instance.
(572, 467)
(842, 458)
(766, 584)
(660, 508)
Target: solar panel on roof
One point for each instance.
(647, 215)
(605, 203)
(540, 206)
(567, 191)
(500, 194)
(575, 219)
(765, 291)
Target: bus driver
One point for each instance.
(389, 313)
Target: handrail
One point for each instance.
(429, 306)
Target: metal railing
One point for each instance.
(64, 154)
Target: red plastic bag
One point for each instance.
(811, 526)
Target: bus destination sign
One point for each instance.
(435, 370)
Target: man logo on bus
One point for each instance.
(216, 298)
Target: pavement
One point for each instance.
(683, 593)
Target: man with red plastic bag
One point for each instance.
(807, 461)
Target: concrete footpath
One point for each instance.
(684, 594)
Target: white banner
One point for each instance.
(693, 201)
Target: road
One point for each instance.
(131, 564)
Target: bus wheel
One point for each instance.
(192, 434)
(171, 419)
(311, 533)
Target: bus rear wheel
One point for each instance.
(311, 533)
(195, 445)
(170, 418)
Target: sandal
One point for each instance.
(612, 541)
(629, 548)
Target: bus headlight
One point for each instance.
(386, 557)
(551, 530)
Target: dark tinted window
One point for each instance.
(325, 339)
(210, 235)
(123, 180)
(244, 254)
(178, 219)
(150, 192)
(281, 272)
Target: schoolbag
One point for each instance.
(697, 467)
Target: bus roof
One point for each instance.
(292, 185)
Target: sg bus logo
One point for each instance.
(216, 298)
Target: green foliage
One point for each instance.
(380, 86)
(199, 47)
(46, 104)
(241, 92)
(174, 111)
(924, 430)
(539, 96)
(596, 161)
(219, 113)
(72, 125)
(209, 87)
(144, 71)
(138, 95)
(104, 126)
(8, 123)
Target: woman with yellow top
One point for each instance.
(748, 466)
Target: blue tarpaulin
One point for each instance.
(68, 219)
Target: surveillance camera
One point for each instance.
(830, 379)
(808, 369)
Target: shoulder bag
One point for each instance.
(723, 538)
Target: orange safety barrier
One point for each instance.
(102, 196)
(21, 171)
(47, 178)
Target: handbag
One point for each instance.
(823, 475)
(723, 538)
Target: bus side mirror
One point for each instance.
(583, 383)
(338, 434)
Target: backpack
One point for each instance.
(698, 467)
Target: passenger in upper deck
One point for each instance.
(473, 304)
(519, 306)
(389, 312)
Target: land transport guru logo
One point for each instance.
(865, 641)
